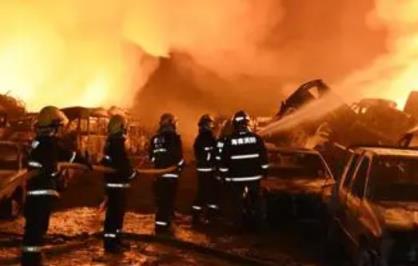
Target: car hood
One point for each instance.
(298, 185)
(397, 215)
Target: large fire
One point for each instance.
(53, 53)
(394, 74)
(76, 52)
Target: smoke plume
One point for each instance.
(255, 54)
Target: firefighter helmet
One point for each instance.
(168, 119)
(51, 116)
(206, 121)
(117, 124)
(240, 119)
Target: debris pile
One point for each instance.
(314, 117)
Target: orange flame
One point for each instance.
(393, 75)
(77, 52)
(63, 54)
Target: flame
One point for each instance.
(77, 52)
(60, 54)
(394, 74)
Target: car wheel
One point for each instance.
(365, 257)
(332, 250)
(15, 208)
(10, 208)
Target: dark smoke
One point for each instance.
(307, 40)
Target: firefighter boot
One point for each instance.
(196, 215)
(31, 259)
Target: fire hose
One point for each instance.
(98, 168)
(7, 189)
(109, 170)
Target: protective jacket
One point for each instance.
(115, 156)
(205, 151)
(166, 150)
(243, 157)
(46, 153)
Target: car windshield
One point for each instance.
(394, 178)
(9, 158)
(293, 165)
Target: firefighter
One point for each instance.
(43, 188)
(243, 164)
(166, 151)
(205, 150)
(225, 133)
(116, 184)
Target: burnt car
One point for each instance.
(12, 179)
(411, 106)
(375, 208)
(313, 108)
(21, 129)
(298, 184)
(410, 139)
(86, 130)
(376, 114)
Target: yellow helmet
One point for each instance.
(117, 124)
(51, 116)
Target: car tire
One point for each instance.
(15, 208)
(10, 208)
(365, 257)
(332, 250)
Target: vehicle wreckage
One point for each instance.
(369, 121)
(314, 117)
(373, 208)
(298, 185)
(12, 179)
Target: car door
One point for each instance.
(341, 210)
(355, 196)
(347, 176)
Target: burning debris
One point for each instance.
(326, 117)
(11, 107)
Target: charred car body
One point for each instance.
(375, 207)
(410, 139)
(11, 110)
(368, 122)
(298, 185)
(87, 130)
(20, 129)
(12, 179)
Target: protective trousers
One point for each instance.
(165, 189)
(115, 212)
(37, 212)
(247, 208)
(207, 196)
